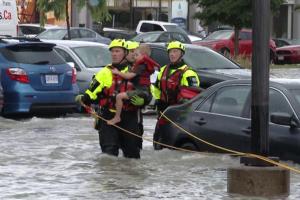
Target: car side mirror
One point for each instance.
(285, 119)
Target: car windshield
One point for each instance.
(52, 34)
(93, 56)
(207, 59)
(217, 35)
(147, 37)
(175, 28)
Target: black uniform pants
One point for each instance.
(112, 139)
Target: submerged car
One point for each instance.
(88, 58)
(221, 115)
(35, 79)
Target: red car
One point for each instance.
(288, 54)
(223, 41)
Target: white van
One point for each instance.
(8, 17)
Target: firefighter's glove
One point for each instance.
(137, 101)
(79, 98)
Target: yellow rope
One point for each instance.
(285, 166)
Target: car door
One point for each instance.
(284, 140)
(221, 120)
(245, 43)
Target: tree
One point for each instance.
(60, 8)
(236, 13)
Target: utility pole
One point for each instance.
(260, 78)
(256, 177)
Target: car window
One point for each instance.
(207, 59)
(278, 103)
(93, 56)
(55, 34)
(157, 27)
(146, 27)
(32, 54)
(164, 37)
(67, 57)
(179, 37)
(228, 100)
(87, 33)
(74, 34)
(245, 35)
(160, 56)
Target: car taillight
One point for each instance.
(74, 73)
(17, 74)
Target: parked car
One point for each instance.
(32, 30)
(288, 54)
(82, 34)
(223, 41)
(88, 57)
(35, 79)
(211, 66)
(221, 115)
(162, 36)
(150, 25)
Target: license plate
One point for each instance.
(51, 79)
(280, 57)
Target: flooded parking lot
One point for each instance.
(60, 158)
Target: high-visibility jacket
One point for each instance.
(105, 86)
(174, 85)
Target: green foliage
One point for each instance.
(237, 13)
(99, 12)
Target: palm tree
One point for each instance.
(98, 9)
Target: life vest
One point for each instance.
(144, 78)
(172, 92)
(108, 95)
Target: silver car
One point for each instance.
(88, 58)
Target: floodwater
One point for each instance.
(60, 158)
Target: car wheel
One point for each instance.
(189, 146)
(225, 52)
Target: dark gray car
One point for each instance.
(82, 34)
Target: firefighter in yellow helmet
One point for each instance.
(175, 83)
(103, 88)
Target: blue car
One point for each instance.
(35, 79)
